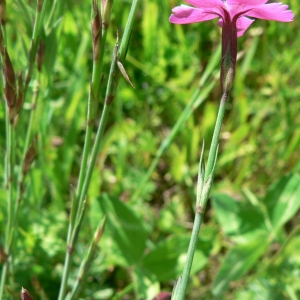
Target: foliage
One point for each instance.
(248, 246)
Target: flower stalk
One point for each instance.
(234, 19)
(14, 91)
(205, 179)
(80, 198)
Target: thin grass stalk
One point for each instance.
(54, 4)
(36, 33)
(99, 32)
(72, 235)
(10, 142)
(99, 42)
(113, 80)
(94, 95)
(87, 261)
(9, 160)
(9, 166)
(124, 292)
(200, 209)
(22, 174)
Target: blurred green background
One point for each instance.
(252, 221)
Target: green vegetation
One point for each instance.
(145, 174)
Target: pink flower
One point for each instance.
(233, 11)
(234, 18)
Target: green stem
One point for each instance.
(110, 93)
(93, 101)
(87, 261)
(199, 214)
(64, 281)
(215, 139)
(78, 208)
(20, 183)
(72, 237)
(94, 98)
(77, 215)
(39, 16)
(9, 165)
(123, 293)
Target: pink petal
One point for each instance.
(242, 25)
(272, 11)
(246, 3)
(206, 3)
(210, 6)
(185, 14)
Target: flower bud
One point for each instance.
(96, 30)
(106, 6)
(25, 295)
(10, 81)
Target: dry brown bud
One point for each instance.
(30, 155)
(96, 30)
(10, 81)
(106, 6)
(3, 256)
(40, 55)
(40, 5)
(3, 12)
(25, 295)
(14, 111)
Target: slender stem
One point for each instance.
(51, 14)
(190, 256)
(215, 139)
(9, 164)
(21, 176)
(64, 281)
(78, 208)
(10, 152)
(3, 278)
(73, 232)
(93, 101)
(112, 84)
(199, 214)
(125, 291)
(87, 261)
(39, 16)
(95, 151)
(127, 32)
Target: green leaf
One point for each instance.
(167, 260)
(283, 200)
(240, 220)
(238, 261)
(146, 284)
(126, 229)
